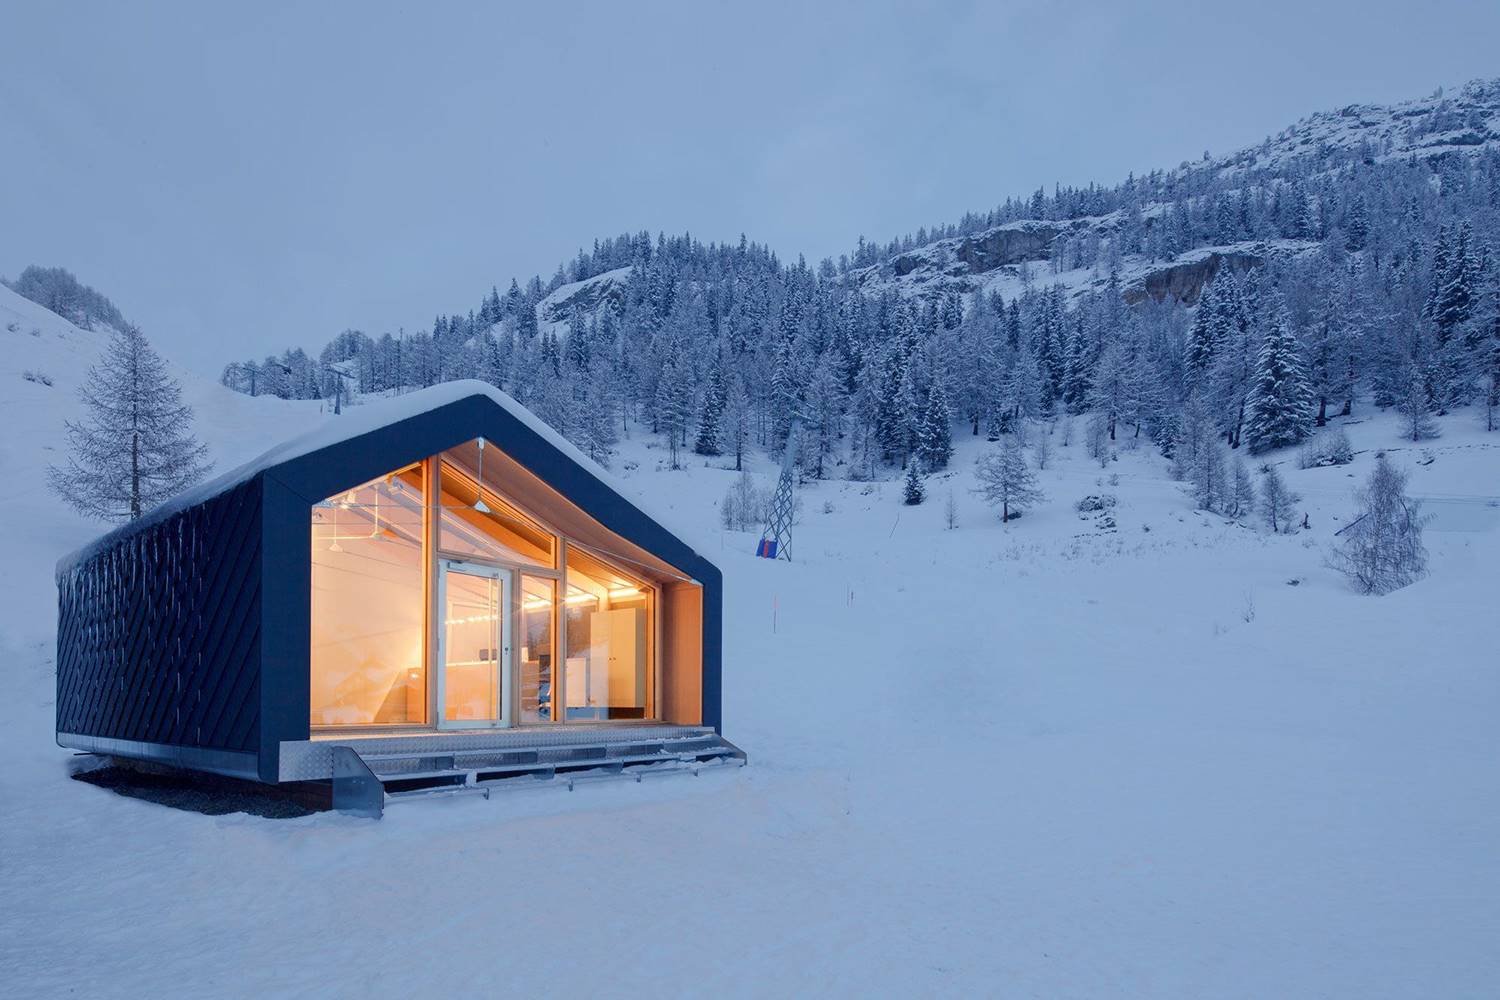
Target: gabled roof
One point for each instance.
(369, 439)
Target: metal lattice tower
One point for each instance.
(779, 527)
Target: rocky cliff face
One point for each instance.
(1015, 243)
(1182, 280)
(557, 309)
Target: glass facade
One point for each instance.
(368, 601)
(515, 636)
(608, 619)
(473, 603)
(537, 646)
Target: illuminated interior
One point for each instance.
(608, 623)
(368, 667)
(439, 602)
(494, 531)
(473, 603)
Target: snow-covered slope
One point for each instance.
(1460, 122)
(1154, 754)
(43, 360)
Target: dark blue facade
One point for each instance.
(189, 634)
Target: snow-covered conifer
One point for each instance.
(134, 447)
(711, 413)
(912, 490)
(935, 433)
(1279, 408)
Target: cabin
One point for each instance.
(429, 592)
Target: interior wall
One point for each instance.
(682, 654)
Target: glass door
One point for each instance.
(473, 646)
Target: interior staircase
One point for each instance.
(369, 775)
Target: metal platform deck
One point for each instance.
(369, 771)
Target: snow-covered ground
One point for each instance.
(1044, 759)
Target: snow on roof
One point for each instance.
(353, 423)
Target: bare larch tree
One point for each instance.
(134, 446)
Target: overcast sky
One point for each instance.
(239, 178)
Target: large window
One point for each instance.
(609, 622)
(517, 637)
(537, 648)
(368, 599)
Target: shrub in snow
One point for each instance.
(1381, 550)
(743, 507)
(1005, 481)
(1330, 449)
(134, 447)
(1093, 503)
(1042, 452)
(38, 377)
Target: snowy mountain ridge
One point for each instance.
(1432, 126)
(1009, 257)
(1013, 256)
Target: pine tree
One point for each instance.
(134, 448)
(1356, 226)
(895, 409)
(711, 416)
(935, 433)
(1203, 337)
(674, 404)
(1280, 404)
(912, 491)
(1078, 373)
(1489, 349)
(1005, 481)
(1450, 371)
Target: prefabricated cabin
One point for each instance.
(438, 571)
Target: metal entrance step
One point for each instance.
(365, 780)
